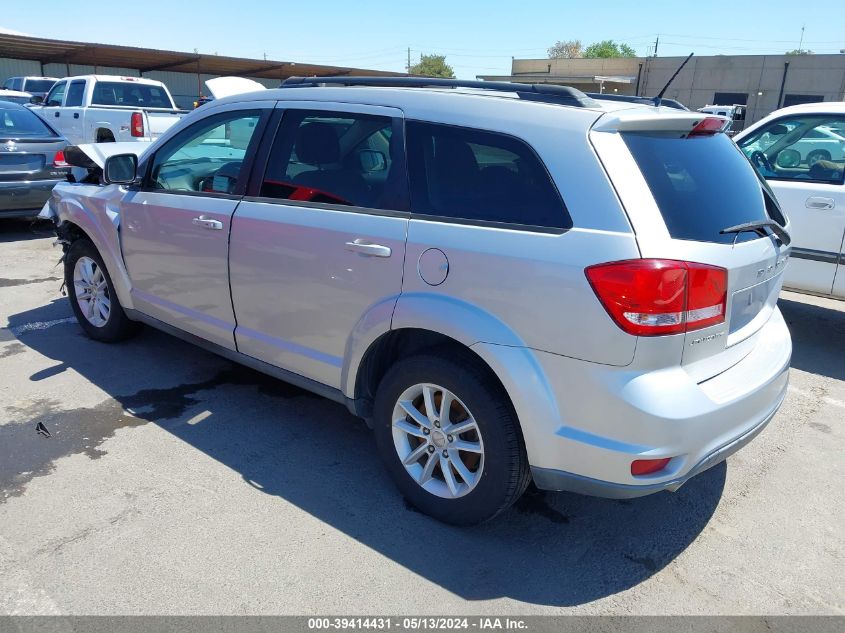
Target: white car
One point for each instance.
(15, 96)
(800, 151)
(107, 108)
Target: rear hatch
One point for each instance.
(683, 182)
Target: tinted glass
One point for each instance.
(701, 184)
(56, 94)
(469, 174)
(337, 158)
(74, 94)
(22, 124)
(130, 94)
(38, 85)
(803, 148)
(207, 156)
(14, 99)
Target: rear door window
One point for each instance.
(473, 175)
(701, 184)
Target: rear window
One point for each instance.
(701, 184)
(130, 94)
(21, 124)
(38, 85)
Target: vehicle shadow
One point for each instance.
(550, 549)
(818, 337)
(21, 229)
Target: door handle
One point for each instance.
(370, 250)
(816, 202)
(208, 223)
(76, 115)
(56, 114)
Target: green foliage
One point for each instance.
(570, 49)
(432, 66)
(800, 51)
(609, 48)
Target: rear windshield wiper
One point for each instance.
(758, 227)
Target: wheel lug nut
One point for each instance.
(445, 453)
(430, 449)
(437, 424)
(426, 431)
(450, 438)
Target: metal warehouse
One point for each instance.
(764, 83)
(183, 73)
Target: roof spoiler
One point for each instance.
(545, 93)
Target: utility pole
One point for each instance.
(409, 60)
(656, 42)
(801, 41)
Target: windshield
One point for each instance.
(22, 124)
(130, 94)
(701, 184)
(38, 85)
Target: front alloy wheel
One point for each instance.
(92, 291)
(438, 441)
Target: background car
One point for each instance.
(35, 86)
(800, 151)
(31, 161)
(15, 96)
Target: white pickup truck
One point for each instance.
(106, 108)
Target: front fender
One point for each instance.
(93, 209)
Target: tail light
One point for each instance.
(653, 297)
(59, 159)
(137, 124)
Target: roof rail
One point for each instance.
(546, 93)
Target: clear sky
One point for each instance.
(477, 37)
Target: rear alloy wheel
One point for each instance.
(449, 437)
(92, 296)
(438, 441)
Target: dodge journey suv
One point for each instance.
(508, 282)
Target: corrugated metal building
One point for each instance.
(183, 73)
(762, 82)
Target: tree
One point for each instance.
(432, 66)
(609, 48)
(800, 51)
(570, 49)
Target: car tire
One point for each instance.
(490, 449)
(816, 155)
(92, 296)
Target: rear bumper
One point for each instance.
(549, 479)
(25, 197)
(584, 423)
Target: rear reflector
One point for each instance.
(708, 126)
(648, 466)
(137, 124)
(653, 297)
(59, 159)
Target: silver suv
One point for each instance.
(507, 281)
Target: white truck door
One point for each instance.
(72, 114)
(52, 108)
(809, 190)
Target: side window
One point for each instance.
(470, 174)
(799, 148)
(207, 156)
(74, 94)
(57, 93)
(337, 158)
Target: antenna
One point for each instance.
(671, 79)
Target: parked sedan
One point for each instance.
(15, 96)
(31, 161)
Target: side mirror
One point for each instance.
(778, 130)
(371, 160)
(36, 99)
(120, 169)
